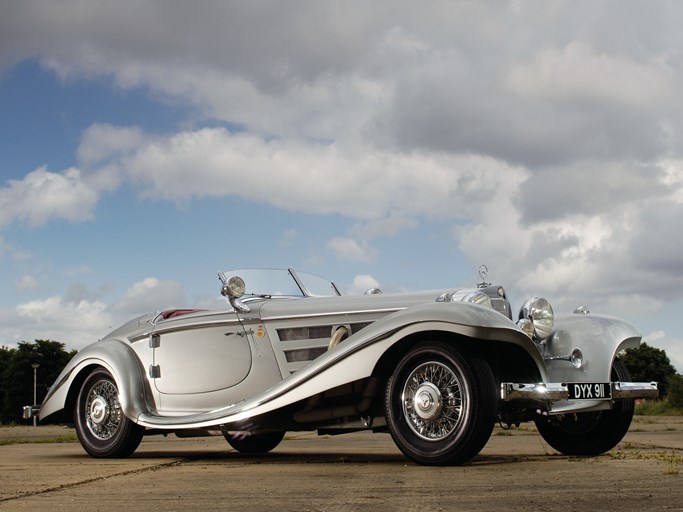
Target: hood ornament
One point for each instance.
(483, 273)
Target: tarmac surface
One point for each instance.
(44, 468)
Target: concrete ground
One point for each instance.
(44, 468)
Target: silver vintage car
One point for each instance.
(435, 369)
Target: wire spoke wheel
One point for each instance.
(432, 401)
(440, 405)
(102, 428)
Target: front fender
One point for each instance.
(119, 359)
(472, 321)
(600, 338)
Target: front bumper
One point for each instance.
(510, 391)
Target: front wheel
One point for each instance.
(101, 426)
(254, 443)
(440, 405)
(590, 433)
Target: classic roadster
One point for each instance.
(435, 369)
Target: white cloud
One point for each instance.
(578, 71)
(43, 195)
(103, 141)
(655, 336)
(394, 222)
(357, 246)
(362, 283)
(150, 294)
(75, 323)
(82, 319)
(348, 249)
(27, 283)
(672, 178)
(387, 188)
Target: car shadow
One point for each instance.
(333, 457)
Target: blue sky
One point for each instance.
(145, 146)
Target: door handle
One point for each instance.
(242, 334)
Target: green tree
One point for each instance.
(17, 374)
(6, 355)
(647, 363)
(675, 391)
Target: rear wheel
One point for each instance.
(101, 426)
(440, 405)
(590, 433)
(254, 443)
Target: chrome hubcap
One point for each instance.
(427, 401)
(103, 410)
(99, 410)
(433, 402)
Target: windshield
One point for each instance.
(283, 282)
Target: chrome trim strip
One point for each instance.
(334, 313)
(187, 327)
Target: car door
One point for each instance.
(199, 354)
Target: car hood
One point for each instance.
(311, 306)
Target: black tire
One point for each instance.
(102, 428)
(457, 407)
(590, 433)
(254, 443)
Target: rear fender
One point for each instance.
(120, 360)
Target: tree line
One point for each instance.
(16, 374)
(644, 363)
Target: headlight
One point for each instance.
(472, 296)
(539, 312)
(526, 325)
(478, 298)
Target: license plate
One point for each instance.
(589, 390)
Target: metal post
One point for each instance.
(35, 372)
